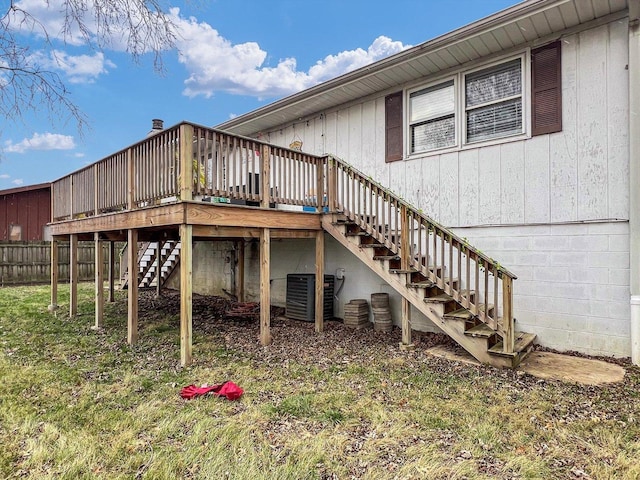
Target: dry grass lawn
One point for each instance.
(78, 403)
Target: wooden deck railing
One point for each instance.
(191, 162)
(188, 162)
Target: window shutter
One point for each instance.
(393, 127)
(546, 89)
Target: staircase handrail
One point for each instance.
(449, 233)
(406, 214)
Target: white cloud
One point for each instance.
(77, 68)
(4, 176)
(41, 141)
(58, 20)
(17, 181)
(46, 18)
(81, 68)
(214, 64)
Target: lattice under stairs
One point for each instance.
(148, 262)
(435, 291)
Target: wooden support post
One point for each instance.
(132, 288)
(405, 264)
(265, 176)
(158, 268)
(112, 271)
(240, 271)
(508, 341)
(73, 275)
(54, 275)
(265, 287)
(406, 343)
(186, 293)
(186, 162)
(319, 327)
(99, 280)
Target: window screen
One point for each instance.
(432, 117)
(493, 101)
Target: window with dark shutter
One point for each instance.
(546, 89)
(493, 102)
(393, 125)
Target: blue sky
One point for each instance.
(232, 56)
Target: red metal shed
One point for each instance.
(24, 212)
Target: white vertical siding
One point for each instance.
(449, 181)
(430, 186)
(512, 187)
(563, 146)
(468, 192)
(618, 114)
(592, 127)
(578, 174)
(489, 185)
(536, 180)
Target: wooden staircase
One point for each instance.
(461, 290)
(148, 262)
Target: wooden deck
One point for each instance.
(191, 182)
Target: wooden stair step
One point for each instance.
(423, 284)
(442, 298)
(460, 314)
(371, 245)
(482, 330)
(522, 343)
(386, 257)
(400, 270)
(360, 233)
(483, 306)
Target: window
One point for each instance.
(493, 102)
(15, 233)
(432, 118)
(476, 106)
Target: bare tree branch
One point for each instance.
(139, 27)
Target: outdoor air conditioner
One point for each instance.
(301, 303)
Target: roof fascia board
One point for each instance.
(449, 71)
(487, 24)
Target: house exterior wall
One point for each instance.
(557, 204)
(213, 265)
(572, 289)
(578, 174)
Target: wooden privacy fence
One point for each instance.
(23, 263)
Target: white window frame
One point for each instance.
(460, 113)
(525, 99)
(410, 124)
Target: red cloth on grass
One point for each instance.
(227, 389)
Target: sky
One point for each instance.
(230, 57)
